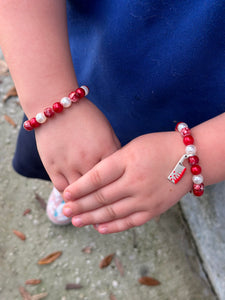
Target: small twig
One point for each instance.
(41, 201)
(73, 286)
(135, 244)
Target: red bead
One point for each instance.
(196, 169)
(34, 123)
(57, 107)
(185, 131)
(198, 189)
(76, 95)
(49, 112)
(27, 125)
(188, 140)
(193, 160)
(80, 92)
(73, 96)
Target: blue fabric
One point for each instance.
(26, 160)
(150, 63)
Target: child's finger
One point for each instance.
(104, 196)
(73, 176)
(61, 180)
(120, 209)
(105, 172)
(136, 219)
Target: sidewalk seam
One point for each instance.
(195, 247)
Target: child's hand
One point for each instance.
(35, 42)
(129, 187)
(74, 141)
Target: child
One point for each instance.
(148, 64)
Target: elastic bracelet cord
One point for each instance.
(57, 107)
(179, 170)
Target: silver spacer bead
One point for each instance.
(86, 89)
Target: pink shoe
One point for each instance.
(54, 208)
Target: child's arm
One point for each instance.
(130, 187)
(34, 40)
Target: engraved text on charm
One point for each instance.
(179, 170)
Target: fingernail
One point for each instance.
(67, 211)
(67, 195)
(103, 229)
(77, 222)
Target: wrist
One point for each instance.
(189, 154)
(37, 101)
(210, 141)
(57, 107)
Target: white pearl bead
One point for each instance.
(190, 149)
(66, 102)
(181, 126)
(41, 118)
(86, 89)
(197, 179)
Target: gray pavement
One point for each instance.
(206, 218)
(170, 250)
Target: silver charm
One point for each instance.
(179, 170)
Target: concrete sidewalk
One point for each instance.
(206, 218)
(166, 250)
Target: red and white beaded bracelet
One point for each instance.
(179, 170)
(57, 107)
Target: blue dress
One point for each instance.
(148, 64)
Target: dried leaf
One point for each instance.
(87, 249)
(20, 235)
(3, 67)
(119, 265)
(73, 286)
(112, 297)
(39, 296)
(26, 296)
(41, 201)
(10, 120)
(33, 281)
(106, 261)
(11, 93)
(27, 211)
(24, 293)
(50, 258)
(148, 281)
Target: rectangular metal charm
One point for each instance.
(179, 170)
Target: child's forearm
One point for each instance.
(34, 40)
(210, 142)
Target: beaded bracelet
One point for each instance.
(57, 107)
(179, 170)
